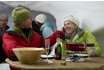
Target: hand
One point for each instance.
(62, 30)
(93, 51)
(56, 44)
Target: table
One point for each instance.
(92, 63)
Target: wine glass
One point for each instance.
(47, 47)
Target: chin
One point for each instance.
(69, 32)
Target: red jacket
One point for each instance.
(54, 36)
(14, 40)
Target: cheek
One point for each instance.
(5, 23)
(1, 22)
(68, 26)
(29, 22)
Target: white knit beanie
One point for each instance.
(72, 19)
(41, 18)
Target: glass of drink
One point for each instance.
(47, 47)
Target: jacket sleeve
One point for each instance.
(9, 42)
(42, 42)
(91, 39)
(54, 36)
(46, 32)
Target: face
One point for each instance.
(69, 27)
(27, 23)
(3, 21)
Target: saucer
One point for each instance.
(45, 56)
(81, 55)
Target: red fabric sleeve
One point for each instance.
(9, 42)
(42, 43)
(54, 36)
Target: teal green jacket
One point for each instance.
(86, 37)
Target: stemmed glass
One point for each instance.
(47, 47)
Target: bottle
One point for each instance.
(58, 49)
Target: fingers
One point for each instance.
(62, 29)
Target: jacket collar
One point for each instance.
(18, 31)
(78, 34)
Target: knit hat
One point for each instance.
(20, 14)
(41, 18)
(72, 19)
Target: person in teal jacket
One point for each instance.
(45, 27)
(73, 33)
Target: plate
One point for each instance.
(82, 55)
(45, 56)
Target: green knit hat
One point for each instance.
(20, 14)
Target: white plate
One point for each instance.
(45, 56)
(84, 55)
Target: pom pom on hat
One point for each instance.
(41, 18)
(72, 19)
(20, 14)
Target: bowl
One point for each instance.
(76, 46)
(28, 55)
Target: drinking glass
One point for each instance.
(47, 47)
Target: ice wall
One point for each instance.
(90, 13)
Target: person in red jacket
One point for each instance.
(3, 28)
(21, 34)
